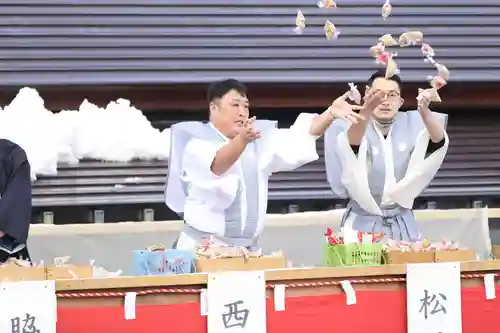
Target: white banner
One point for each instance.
(28, 306)
(236, 302)
(434, 300)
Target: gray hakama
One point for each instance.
(385, 175)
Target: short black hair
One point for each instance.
(219, 89)
(381, 74)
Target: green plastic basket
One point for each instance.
(353, 255)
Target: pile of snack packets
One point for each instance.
(212, 249)
(387, 59)
(422, 246)
(333, 239)
(13, 262)
(98, 271)
(388, 244)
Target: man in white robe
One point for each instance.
(219, 171)
(386, 161)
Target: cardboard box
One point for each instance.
(12, 273)
(398, 257)
(68, 272)
(240, 264)
(452, 256)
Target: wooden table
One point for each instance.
(314, 302)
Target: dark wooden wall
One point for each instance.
(192, 97)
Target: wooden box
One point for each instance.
(13, 273)
(400, 257)
(68, 272)
(240, 264)
(452, 256)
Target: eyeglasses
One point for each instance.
(391, 94)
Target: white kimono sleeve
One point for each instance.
(289, 148)
(333, 161)
(421, 168)
(216, 191)
(353, 172)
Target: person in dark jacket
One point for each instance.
(15, 201)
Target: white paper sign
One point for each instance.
(203, 303)
(489, 286)
(129, 305)
(237, 302)
(279, 297)
(434, 300)
(28, 306)
(350, 293)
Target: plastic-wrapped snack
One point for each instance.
(207, 243)
(454, 246)
(384, 57)
(436, 82)
(410, 38)
(300, 22)
(331, 239)
(386, 10)
(59, 261)
(354, 94)
(370, 237)
(425, 243)
(100, 272)
(154, 248)
(427, 50)
(14, 262)
(431, 94)
(391, 68)
(391, 245)
(217, 252)
(442, 69)
(327, 4)
(377, 49)
(387, 40)
(331, 32)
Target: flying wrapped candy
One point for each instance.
(391, 68)
(377, 49)
(384, 57)
(300, 22)
(59, 261)
(431, 94)
(442, 69)
(354, 94)
(387, 40)
(327, 4)
(427, 50)
(331, 31)
(436, 82)
(410, 38)
(386, 9)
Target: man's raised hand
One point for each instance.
(373, 100)
(249, 133)
(341, 109)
